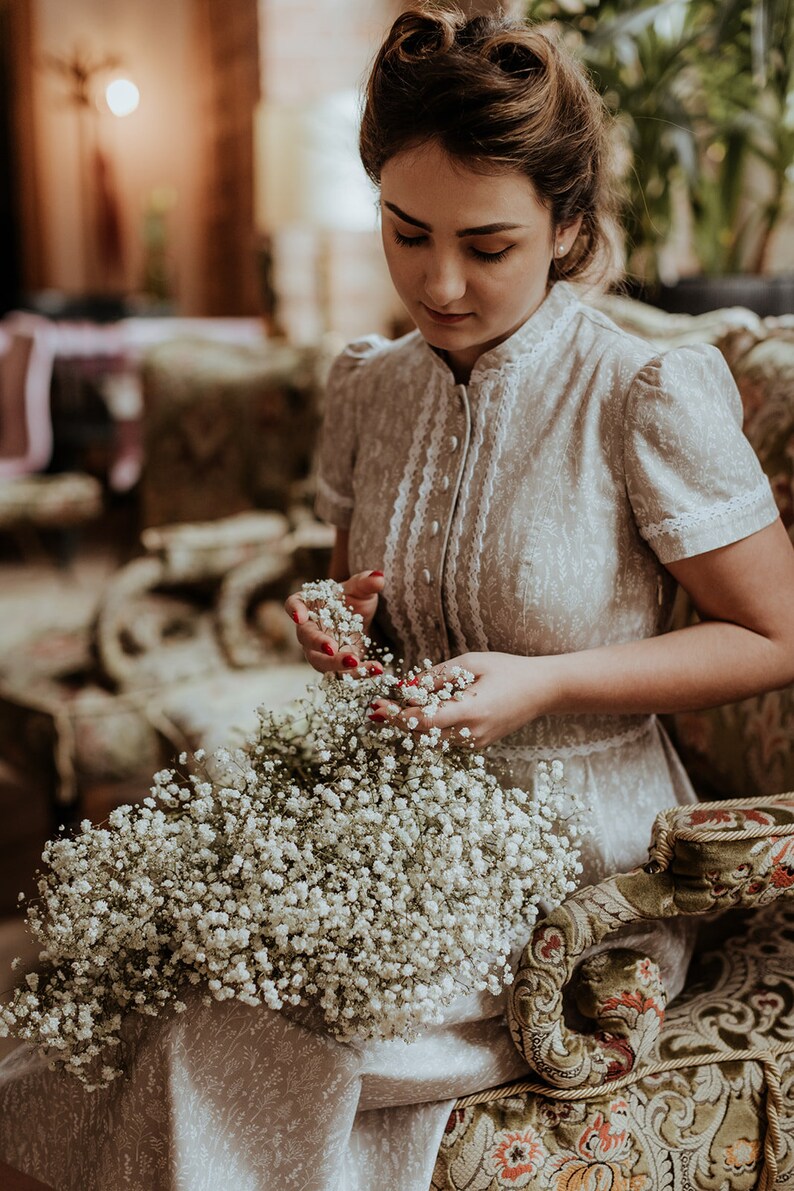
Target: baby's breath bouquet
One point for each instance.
(368, 873)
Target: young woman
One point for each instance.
(518, 485)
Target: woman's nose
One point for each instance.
(445, 281)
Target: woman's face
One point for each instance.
(468, 252)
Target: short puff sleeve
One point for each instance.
(339, 435)
(693, 479)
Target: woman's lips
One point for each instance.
(444, 319)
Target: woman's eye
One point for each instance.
(491, 257)
(408, 241)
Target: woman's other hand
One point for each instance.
(508, 691)
(320, 649)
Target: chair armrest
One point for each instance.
(703, 858)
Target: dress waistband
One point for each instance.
(550, 752)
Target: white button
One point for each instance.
(434, 528)
(453, 442)
(444, 483)
(428, 578)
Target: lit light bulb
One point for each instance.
(122, 97)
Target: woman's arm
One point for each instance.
(745, 644)
(744, 594)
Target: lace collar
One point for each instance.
(556, 308)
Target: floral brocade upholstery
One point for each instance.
(697, 1098)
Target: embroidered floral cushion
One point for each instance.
(685, 1105)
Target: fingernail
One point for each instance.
(329, 649)
(296, 618)
(375, 704)
(376, 668)
(377, 718)
(376, 574)
(349, 661)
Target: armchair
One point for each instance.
(698, 1097)
(28, 498)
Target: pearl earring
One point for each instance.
(560, 249)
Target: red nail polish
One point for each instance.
(349, 661)
(296, 618)
(329, 649)
(376, 574)
(377, 718)
(375, 704)
(376, 669)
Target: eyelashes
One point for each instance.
(486, 257)
(491, 256)
(408, 241)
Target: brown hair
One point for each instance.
(495, 91)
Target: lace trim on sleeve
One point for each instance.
(331, 495)
(715, 512)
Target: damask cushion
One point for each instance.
(698, 1103)
(697, 1121)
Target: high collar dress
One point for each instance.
(530, 512)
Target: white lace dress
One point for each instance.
(530, 513)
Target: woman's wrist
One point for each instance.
(546, 685)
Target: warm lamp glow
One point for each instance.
(122, 97)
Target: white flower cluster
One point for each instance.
(369, 873)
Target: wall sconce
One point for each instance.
(103, 234)
(122, 97)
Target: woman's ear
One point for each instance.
(565, 235)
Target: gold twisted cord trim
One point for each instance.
(521, 1086)
(665, 830)
(773, 1142)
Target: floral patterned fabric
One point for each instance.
(703, 1125)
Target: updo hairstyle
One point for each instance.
(493, 91)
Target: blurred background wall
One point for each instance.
(164, 206)
(233, 188)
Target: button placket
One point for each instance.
(442, 507)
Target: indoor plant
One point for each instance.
(703, 92)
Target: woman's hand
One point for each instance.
(321, 650)
(507, 692)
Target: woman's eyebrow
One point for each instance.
(407, 218)
(487, 229)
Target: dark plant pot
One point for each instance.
(697, 295)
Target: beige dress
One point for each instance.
(528, 513)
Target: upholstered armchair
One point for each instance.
(628, 1093)
(696, 1096)
(29, 498)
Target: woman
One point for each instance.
(519, 485)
